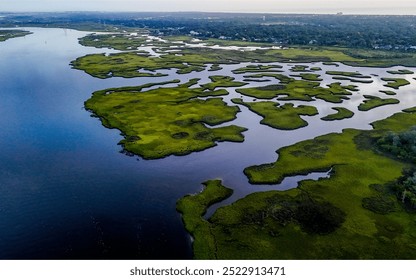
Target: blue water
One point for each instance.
(65, 190)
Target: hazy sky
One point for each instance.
(270, 6)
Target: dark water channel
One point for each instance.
(65, 190)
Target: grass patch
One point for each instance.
(342, 113)
(372, 102)
(347, 74)
(395, 83)
(388, 92)
(258, 68)
(354, 77)
(215, 67)
(299, 68)
(410, 110)
(119, 41)
(222, 81)
(315, 68)
(193, 207)
(309, 77)
(330, 64)
(298, 90)
(401, 72)
(352, 80)
(285, 117)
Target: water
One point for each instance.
(65, 190)
(67, 193)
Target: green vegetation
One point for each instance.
(193, 207)
(215, 67)
(233, 43)
(286, 116)
(133, 64)
(405, 189)
(315, 68)
(312, 55)
(258, 68)
(395, 83)
(166, 121)
(382, 202)
(342, 217)
(388, 92)
(9, 34)
(353, 80)
(125, 65)
(410, 110)
(309, 77)
(402, 145)
(338, 89)
(401, 72)
(380, 58)
(122, 42)
(297, 90)
(354, 77)
(342, 113)
(327, 151)
(299, 68)
(373, 101)
(186, 60)
(256, 80)
(348, 74)
(354, 214)
(282, 78)
(222, 81)
(330, 64)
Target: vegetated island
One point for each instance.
(365, 210)
(372, 102)
(395, 83)
(342, 113)
(171, 54)
(9, 34)
(176, 118)
(257, 68)
(292, 89)
(400, 72)
(285, 117)
(388, 92)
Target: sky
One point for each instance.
(396, 7)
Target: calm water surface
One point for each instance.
(67, 192)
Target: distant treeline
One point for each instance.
(356, 31)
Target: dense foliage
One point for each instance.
(405, 188)
(401, 145)
(374, 32)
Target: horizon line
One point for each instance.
(340, 13)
